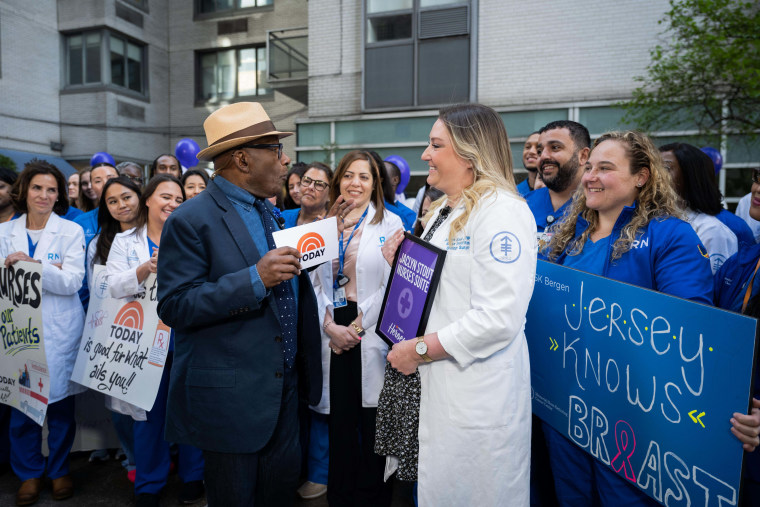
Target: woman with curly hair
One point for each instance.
(624, 224)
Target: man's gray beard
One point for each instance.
(565, 175)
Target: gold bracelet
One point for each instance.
(358, 330)
(327, 324)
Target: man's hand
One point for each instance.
(279, 265)
(340, 211)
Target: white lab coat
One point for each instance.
(128, 250)
(718, 239)
(371, 277)
(475, 407)
(61, 242)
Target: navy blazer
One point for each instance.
(226, 383)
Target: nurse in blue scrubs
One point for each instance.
(132, 258)
(40, 235)
(625, 195)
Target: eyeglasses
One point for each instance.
(266, 146)
(756, 176)
(306, 182)
(135, 179)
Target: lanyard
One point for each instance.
(749, 287)
(342, 249)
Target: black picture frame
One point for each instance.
(391, 286)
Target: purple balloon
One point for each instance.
(101, 157)
(715, 156)
(404, 168)
(186, 152)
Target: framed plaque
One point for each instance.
(410, 290)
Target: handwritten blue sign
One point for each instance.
(643, 381)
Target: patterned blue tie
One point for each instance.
(283, 292)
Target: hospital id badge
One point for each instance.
(339, 297)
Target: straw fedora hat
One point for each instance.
(234, 125)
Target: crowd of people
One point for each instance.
(276, 383)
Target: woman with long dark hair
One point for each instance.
(693, 176)
(350, 291)
(132, 258)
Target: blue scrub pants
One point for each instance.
(582, 481)
(152, 457)
(319, 456)
(26, 441)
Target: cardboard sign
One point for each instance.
(645, 382)
(124, 345)
(317, 241)
(24, 375)
(410, 290)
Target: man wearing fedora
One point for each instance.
(245, 318)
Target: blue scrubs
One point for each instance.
(540, 203)
(152, 453)
(524, 188)
(407, 216)
(738, 226)
(89, 223)
(26, 442)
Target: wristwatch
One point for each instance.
(421, 349)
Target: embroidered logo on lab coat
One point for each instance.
(460, 243)
(505, 247)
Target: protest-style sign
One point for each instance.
(124, 345)
(410, 290)
(645, 382)
(317, 241)
(24, 375)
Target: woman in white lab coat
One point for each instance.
(350, 292)
(475, 408)
(132, 258)
(41, 235)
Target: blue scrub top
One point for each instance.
(592, 257)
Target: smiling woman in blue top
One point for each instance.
(623, 224)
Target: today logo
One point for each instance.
(128, 323)
(311, 245)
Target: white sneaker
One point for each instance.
(310, 490)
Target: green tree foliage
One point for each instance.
(707, 74)
(7, 162)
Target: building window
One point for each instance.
(87, 52)
(232, 74)
(416, 53)
(227, 6)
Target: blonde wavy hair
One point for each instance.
(656, 199)
(479, 137)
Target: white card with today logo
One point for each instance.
(317, 241)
